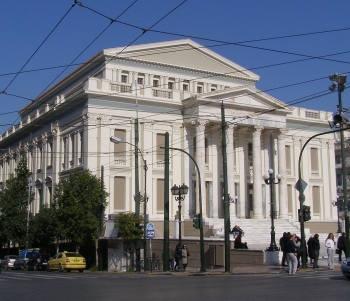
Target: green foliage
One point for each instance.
(129, 228)
(79, 206)
(44, 227)
(13, 203)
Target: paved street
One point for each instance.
(315, 284)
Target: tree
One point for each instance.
(79, 207)
(14, 202)
(129, 229)
(44, 227)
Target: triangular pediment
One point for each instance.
(245, 97)
(185, 54)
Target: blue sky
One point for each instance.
(319, 28)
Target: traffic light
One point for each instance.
(197, 221)
(306, 213)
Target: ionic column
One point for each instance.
(200, 160)
(230, 167)
(257, 174)
(282, 170)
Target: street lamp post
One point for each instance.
(30, 184)
(180, 193)
(337, 203)
(338, 82)
(269, 180)
(138, 197)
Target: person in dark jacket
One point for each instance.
(177, 256)
(310, 251)
(316, 249)
(341, 245)
(283, 241)
(291, 254)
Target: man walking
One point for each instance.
(341, 245)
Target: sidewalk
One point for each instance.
(250, 270)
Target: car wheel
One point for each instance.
(60, 268)
(48, 268)
(80, 271)
(68, 271)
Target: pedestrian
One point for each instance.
(177, 256)
(238, 244)
(341, 245)
(330, 245)
(291, 254)
(235, 231)
(283, 241)
(185, 255)
(298, 250)
(316, 250)
(310, 251)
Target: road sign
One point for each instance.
(150, 226)
(150, 234)
(300, 185)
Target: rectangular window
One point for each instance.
(50, 154)
(119, 193)
(337, 159)
(206, 151)
(72, 150)
(314, 162)
(160, 195)
(64, 158)
(290, 199)
(49, 190)
(199, 89)
(339, 180)
(160, 142)
(316, 197)
(40, 157)
(81, 147)
(120, 148)
(155, 83)
(170, 85)
(250, 155)
(185, 87)
(288, 161)
(124, 79)
(140, 80)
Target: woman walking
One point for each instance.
(329, 244)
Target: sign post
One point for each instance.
(150, 235)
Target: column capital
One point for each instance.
(281, 133)
(257, 129)
(200, 124)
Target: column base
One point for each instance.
(258, 216)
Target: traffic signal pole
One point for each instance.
(302, 196)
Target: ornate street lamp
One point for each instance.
(337, 203)
(269, 180)
(180, 193)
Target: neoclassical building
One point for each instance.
(176, 87)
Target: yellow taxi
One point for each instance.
(66, 261)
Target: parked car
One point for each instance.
(23, 257)
(66, 261)
(345, 267)
(7, 262)
(38, 262)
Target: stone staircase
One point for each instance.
(255, 231)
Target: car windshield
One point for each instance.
(73, 255)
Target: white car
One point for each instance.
(345, 267)
(7, 262)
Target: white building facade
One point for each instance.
(176, 87)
